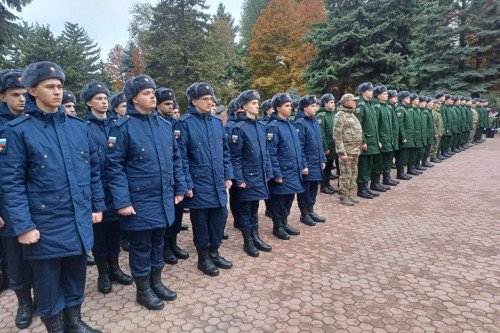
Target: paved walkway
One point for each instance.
(424, 257)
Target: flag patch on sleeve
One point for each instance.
(3, 144)
(177, 133)
(234, 138)
(270, 136)
(111, 141)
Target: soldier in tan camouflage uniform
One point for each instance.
(347, 134)
(438, 130)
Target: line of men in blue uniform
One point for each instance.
(136, 167)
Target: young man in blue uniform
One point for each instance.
(313, 158)
(207, 166)
(69, 102)
(165, 101)
(286, 160)
(12, 94)
(144, 171)
(52, 194)
(252, 170)
(267, 111)
(232, 119)
(118, 104)
(107, 234)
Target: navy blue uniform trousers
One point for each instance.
(107, 236)
(145, 251)
(20, 275)
(58, 283)
(308, 197)
(279, 205)
(175, 228)
(208, 225)
(248, 214)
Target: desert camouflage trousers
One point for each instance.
(348, 174)
(472, 133)
(434, 148)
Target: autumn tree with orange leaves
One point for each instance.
(277, 55)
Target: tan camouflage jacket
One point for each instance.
(347, 132)
(475, 116)
(438, 122)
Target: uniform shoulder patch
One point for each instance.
(398, 114)
(3, 145)
(270, 136)
(320, 121)
(19, 120)
(111, 141)
(234, 138)
(122, 120)
(358, 110)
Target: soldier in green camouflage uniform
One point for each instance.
(447, 115)
(439, 130)
(385, 131)
(348, 140)
(325, 117)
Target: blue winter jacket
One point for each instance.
(99, 133)
(311, 144)
(5, 116)
(144, 169)
(286, 158)
(51, 181)
(205, 157)
(250, 159)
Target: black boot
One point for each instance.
(168, 256)
(145, 295)
(376, 186)
(248, 244)
(103, 280)
(158, 288)
(436, 160)
(116, 274)
(219, 261)
(402, 175)
(225, 236)
(305, 218)
(25, 308)
(90, 260)
(278, 230)
(314, 216)
(176, 250)
(53, 324)
(373, 193)
(205, 264)
(259, 243)
(411, 170)
(184, 227)
(288, 229)
(325, 187)
(362, 192)
(73, 323)
(419, 167)
(387, 180)
(426, 163)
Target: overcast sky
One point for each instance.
(106, 21)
